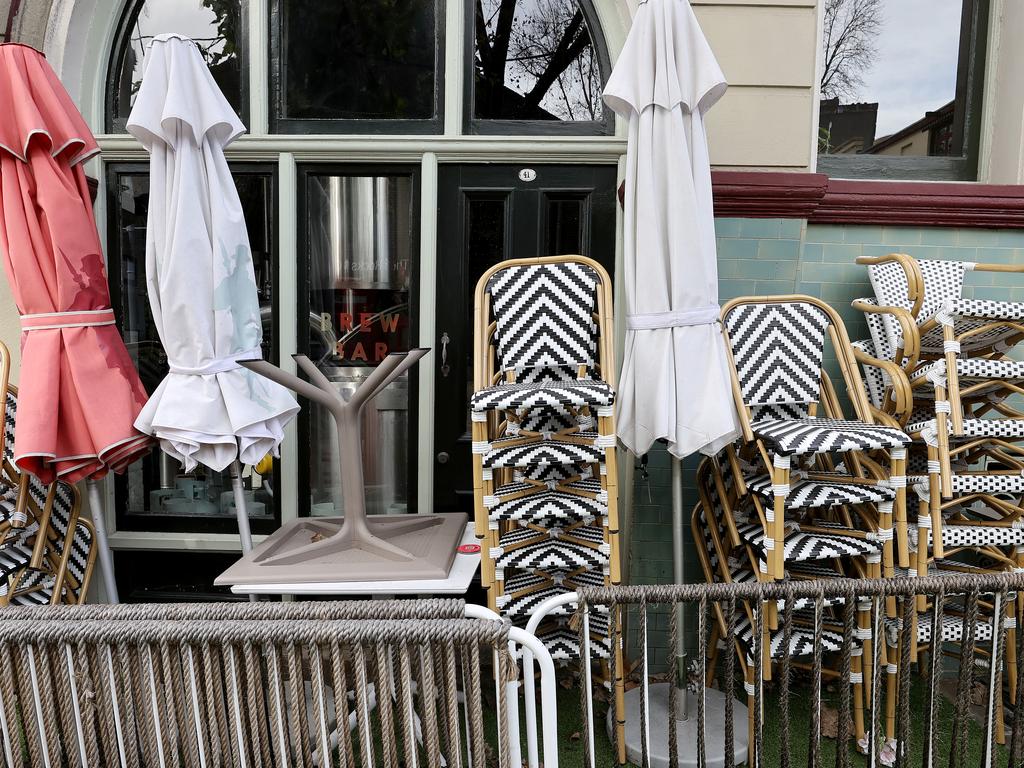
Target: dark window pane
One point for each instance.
(564, 226)
(535, 60)
(361, 237)
(215, 25)
(881, 96)
(373, 60)
(157, 495)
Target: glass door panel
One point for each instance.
(154, 494)
(360, 238)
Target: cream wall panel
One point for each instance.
(1002, 139)
(762, 127)
(762, 46)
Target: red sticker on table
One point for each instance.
(469, 549)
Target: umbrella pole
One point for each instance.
(242, 512)
(683, 705)
(99, 523)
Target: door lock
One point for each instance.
(442, 457)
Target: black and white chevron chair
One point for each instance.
(789, 412)
(544, 443)
(723, 564)
(63, 572)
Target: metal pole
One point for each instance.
(683, 705)
(99, 523)
(241, 512)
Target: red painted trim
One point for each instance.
(819, 199)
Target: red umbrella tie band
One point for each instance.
(48, 321)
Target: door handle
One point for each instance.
(445, 368)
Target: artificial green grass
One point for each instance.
(571, 733)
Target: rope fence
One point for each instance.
(907, 671)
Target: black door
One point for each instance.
(489, 213)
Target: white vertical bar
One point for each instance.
(117, 708)
(238, 710)
(155, 706)
(79, 730)
(427, 291)
(259, 75)
(287, 322)
(195, 707)
(454, 65)
(38, 705)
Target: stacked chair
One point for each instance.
(806, 493)
(544, 446)
(952, 379)
(47, 553)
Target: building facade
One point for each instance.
(378, 186)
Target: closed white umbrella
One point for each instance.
(675, 383)
(199, 274)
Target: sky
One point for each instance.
(915, 69)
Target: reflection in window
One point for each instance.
(889, 79)
(535, 60)
(215, 25)
(372, 60)
(360, 232)
(156, 486)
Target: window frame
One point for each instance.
(311, 126)
(198, 524)
(472, 125)
(126, 23)
(970, 85)
(302, 173)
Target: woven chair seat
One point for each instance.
(542, 588)
(956, 536)
(815, 494)
(549, 554)
(973, 428)
(952, 628)
(800, 546)
(563, 643)
(547, 508)
(540, 453)
(973, 482)
(972, 369)
(525, 395)
(814, 435)
(801, 643)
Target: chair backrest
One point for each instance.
(777, 348)
(943, 281)
(544, 317)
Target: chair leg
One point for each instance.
(867, 643)
(942, 425)
(857, 672)
(898, 480)
(780, 483)
(952, 380)
(620, 694)
(891, 672)
(888, 558)
(924, 528)
(935, 483)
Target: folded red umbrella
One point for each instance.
(79, 392)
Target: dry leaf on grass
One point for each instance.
(829, 722)
(575, 736)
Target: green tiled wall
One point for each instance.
(777, 256)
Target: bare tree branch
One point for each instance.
(849, 42)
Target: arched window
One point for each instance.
(537, 63)
(217, 26)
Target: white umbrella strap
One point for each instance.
(676, 319)
(219, 364)
(44, 321)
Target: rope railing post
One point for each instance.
(784, 672)
(645, 720)
(702, 660)
(814, 750)
(730, 677)
(674, 673)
